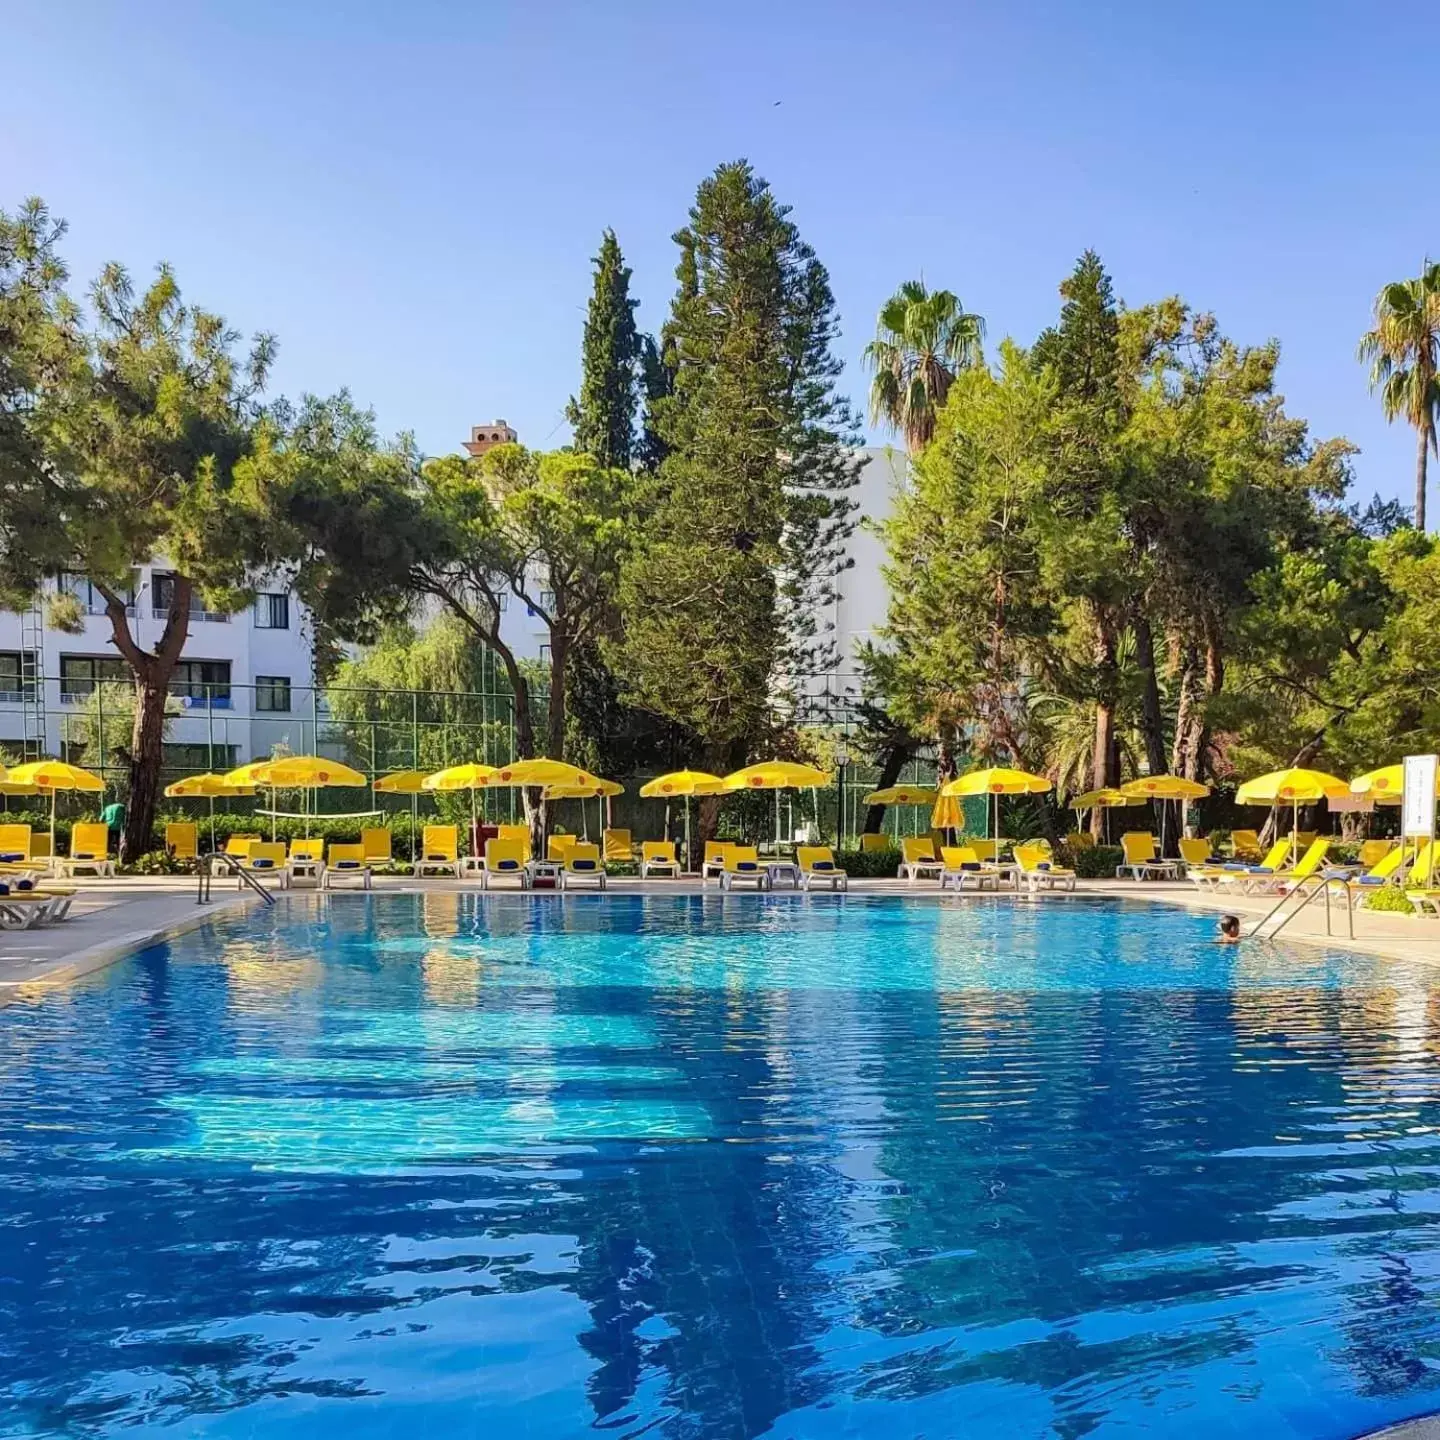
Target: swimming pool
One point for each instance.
(720, 1166)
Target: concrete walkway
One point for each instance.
(111, 918)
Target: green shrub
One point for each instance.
(1097, 862)
(869, 864)
(1389, 898)
(157, 862)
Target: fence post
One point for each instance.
(100, 722)
(414, 729)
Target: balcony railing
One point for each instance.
(213, 617)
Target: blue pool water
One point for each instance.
(736, 1166)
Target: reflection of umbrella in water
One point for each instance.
(682, 784)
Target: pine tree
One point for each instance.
(748, 513)
(603, 418)
(657, 381)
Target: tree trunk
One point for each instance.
(147, 760)
(1152, 720)
(1421, 459)
(152, 672)
(897, 754)
(1190, 716)
(1106, 688)
(555, 714)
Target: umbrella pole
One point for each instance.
(687, 833)
(53, 793)
(473, 841)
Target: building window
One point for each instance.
(272, 612)
(202, 682)
(80, 674)
(272, 692)
(88, 595)
(547, 601)
(544, 654)
(17, 676)
(162, 592)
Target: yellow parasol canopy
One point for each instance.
(902, 795)
(473, 776)
(948, 814)
(777, 775)
(1385, 786)
(1298, 787)
(1164, 787)
(52, 775)
(682, 783)
(997, 781)
(9, 787)
(601, 789)
(307, 772)
(401, 782)
(539, 772)
(205, 787)
(1104, 798)
(246, 774)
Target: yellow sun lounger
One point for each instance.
(658, 856)
(962, 866)
(918, 859)
(818, 867)
(439, 851)
(1142, 859)
(89, 850)
(504, 860)
(1037, 869)
(582, 866)
(743, 867)
(346, 865)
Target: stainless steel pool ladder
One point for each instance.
(231, 865)
(1307, 891)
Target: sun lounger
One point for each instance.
(658, 856)
(1233, 875)
(582, 866)
(377, 843)
(237, 847)
(89, 850)
(504, 860)
(557, 847)
(1195, 854)
(961, 866)
(619, 847)
(818, 867)
(182, 840)
(266, 860)
(307, 861)
(714, 861)
(345, 865)
(871, 844)
(1309, 864)
(1142, 859)
(439, 851)
(1038, 870)
(918, 859)
(1245, 845)
(742, 867)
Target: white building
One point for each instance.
(864, 598)
(244, 683)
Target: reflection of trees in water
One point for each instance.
(952, 1185)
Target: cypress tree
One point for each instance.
(603, 418)
(747, 514)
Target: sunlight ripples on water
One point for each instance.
(720, 1166)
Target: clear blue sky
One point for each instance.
(408, 195)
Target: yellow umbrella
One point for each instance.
(1105, 798)
(1385, 786)
(777, 775)
(52, 776)
(404, 782)
(997, 781)
(472, 777)
(601, 789)
(540, 772)
(1298, 786)
(902, 795)
(1162, 788)
(683, 783)
(948, 814)
(206, 787)
(294, 772)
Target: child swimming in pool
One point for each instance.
(1229, 930)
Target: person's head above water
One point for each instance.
(1230, 926)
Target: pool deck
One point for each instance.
(110, 918)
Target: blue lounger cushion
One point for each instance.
(264, 864)
(348, 864)
(823, 865)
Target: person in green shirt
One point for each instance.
(113, 818)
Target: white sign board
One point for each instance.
(1417, 808)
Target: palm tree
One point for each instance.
(1403, 349)
(922, 339)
